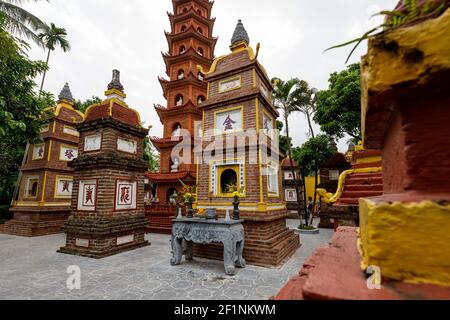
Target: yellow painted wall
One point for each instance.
(310, 185)
(409, 242)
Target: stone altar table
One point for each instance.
(202, 231)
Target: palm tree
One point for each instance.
(305, 98)
(53, 36)
(291, 96)
(19, 21)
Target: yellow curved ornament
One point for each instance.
(329, 197)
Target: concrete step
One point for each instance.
(364, 187)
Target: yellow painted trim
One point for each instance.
(40, 204)
(251, 55)
(230, 79)
(44, 185)
(54, 126)
(43, 153)
(330, 198)
(410, 242)
(207, 90)
(224, 163)
(257, 115)
(254, 78)
(110, 108)
(235, 168)
(369, 160)
(49, 150)
(116, 92)
(196, 179)
(261, 192)
(69, 107)
(227, 110)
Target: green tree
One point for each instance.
(338, 109)
(20, 22)
(53, 36)
(21, 111)
(311, 155)
(284, 141)
(83, 105)
(151, 156)
(289, 97)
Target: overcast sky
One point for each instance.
(129, 35)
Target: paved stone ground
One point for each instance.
(32, 269)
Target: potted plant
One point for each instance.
(188, 195)
(237, 194)
(304, 229)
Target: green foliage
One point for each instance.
(21, 111)
(407, 12)
(314, 152)
(53, 36)
(83, 105)
(306, 227)
(151, 156)
(338, 109)
(284, 141)
(20, 22)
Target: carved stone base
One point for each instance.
(104, 237)
(36, 222)
(268, 243)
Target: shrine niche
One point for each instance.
(236, 107)
(42, 202)
(108, 187)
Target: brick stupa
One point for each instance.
(108, 193)
(45, 182)
(239, 99)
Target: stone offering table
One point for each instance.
(202, 231)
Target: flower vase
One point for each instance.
(236, 210)
(189, 210)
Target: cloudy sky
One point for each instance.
(129, 35)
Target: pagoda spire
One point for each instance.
(115, 87)
(240, 36)
(66, 94)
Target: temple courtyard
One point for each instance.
(34, 270)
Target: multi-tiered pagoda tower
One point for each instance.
(190, 44)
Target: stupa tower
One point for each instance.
(190, 44)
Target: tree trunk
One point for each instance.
(311, 130)
(299, 209)
(315, 193)
(305, 198)
(45, 73)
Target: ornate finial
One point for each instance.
(240, 35)
(115, 82)
(66, 94)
